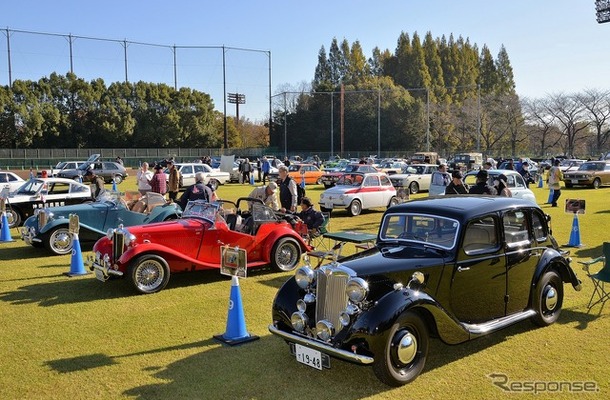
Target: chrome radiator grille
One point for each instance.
(118, 245)
(331, 296)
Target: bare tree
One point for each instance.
(597, 106)
(541, 124)
(570, 114)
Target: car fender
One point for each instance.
(552, 259)
(283, 231)
(160, 213)
(167, 253)
(65, 221)
(379, 319)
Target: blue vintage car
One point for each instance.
(49, 227)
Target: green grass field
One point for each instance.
(78, 338)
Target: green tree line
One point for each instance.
(67, 112)
(442, 93)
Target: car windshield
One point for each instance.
(591, 167)
(31, 187)
(429, 229)
(201, 209)
(350, 180)
(414, 169)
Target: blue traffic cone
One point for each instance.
(5, 235)
(114, 189)
(551, 193)
(303, 182)
(252, 179)
(236, 332)
(77, 267)
(540, 182)
(575, 233)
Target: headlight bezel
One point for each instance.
(357, 290)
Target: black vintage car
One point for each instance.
(456, 267)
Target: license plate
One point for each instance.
(575, 181)
(328, 205)
(307, 356)
(99, 274)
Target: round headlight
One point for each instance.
(321, 196)
(325, 330)
(304, 277)
(301, 305)
(109, 233)
(129, 238)
(344, 318)
(298, 321)
(342, 197)
(357, 289)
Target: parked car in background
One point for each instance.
(415, 177)
(590, 173)
(311, 173)
(515, 183)
(109, 171)
(456, 268)
(11, 180)
(237, 176)
(359, 191)
(60, 166)
(147, 255)
(214, 178)
(466, 162)
(49, 227)
(44, 192)
(570, 164)
(391, 167)
(328, 179)
(424, 157)
(335, 165)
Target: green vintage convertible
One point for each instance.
(49, 227)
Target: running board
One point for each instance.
(477, 330)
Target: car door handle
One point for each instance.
(460, 269)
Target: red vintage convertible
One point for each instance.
(148, 254)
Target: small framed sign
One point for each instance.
(575, 206)
(73, 225)
(233, 261)
(2, 204)
(4, 193)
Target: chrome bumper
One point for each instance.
(29, 236)
(324, 348)
(102, 266)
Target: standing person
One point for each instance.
(267, 195)
(144, 176)
(555, 178)
(173, 183)
(456, 186)
(487, 165)
(265, 169)
(441, 177)
(501, 186)
(197, 191)
(245, 170)
(481, 186)
(525, 173)
(157, 182)
(286, 161)
(119, 160)
(288, 190)
(97, 183)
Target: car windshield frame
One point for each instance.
(201, 209)
(350, 179)
(432, 230)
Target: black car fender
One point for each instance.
(378, 319)
(552, 259)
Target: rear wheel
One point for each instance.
(60, 241)
(355, 208)
(285, 254)
(214, 184)
(149, 273)
(596, 183)
(413, 187)
(548, 299)
(404, 352)
(13, 216)
(118, 179)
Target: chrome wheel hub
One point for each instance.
(406, 348)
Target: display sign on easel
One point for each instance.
(233, 261)
(575, 206)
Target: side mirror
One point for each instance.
(417, 278)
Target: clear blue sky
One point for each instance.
(554, 45)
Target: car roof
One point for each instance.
(495, 172)
(461, 207)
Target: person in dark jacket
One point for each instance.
(481, 186)
(97, 183)
(456, 186)
(197, 191)
(312, 218)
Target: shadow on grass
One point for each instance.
(81, 289)
(22, 253)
